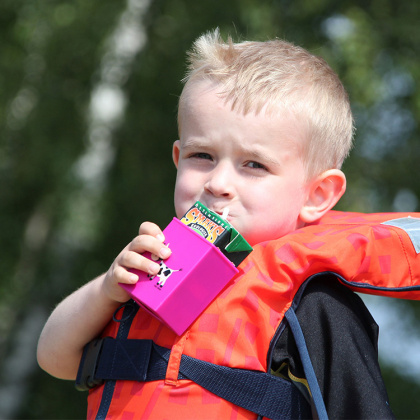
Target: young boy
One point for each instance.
(263, 129)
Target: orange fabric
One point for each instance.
(237, 327)
(175, 360)
(361, 249)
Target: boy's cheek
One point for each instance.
(188, 188)
(181, 204)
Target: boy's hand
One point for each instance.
(150, 239)
(66, 332)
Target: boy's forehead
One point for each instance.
(271, 127)
(194, 90)
(215, 97)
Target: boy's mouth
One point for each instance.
(223, 212)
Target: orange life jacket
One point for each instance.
(370, 253)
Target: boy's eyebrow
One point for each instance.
(260, 156)
(252, 153)
(194, 143)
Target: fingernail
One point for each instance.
(165, 252)
(133, 278)
(160, 237)
(153, 268)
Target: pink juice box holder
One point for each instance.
(205, 252)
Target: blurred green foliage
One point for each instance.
(88, 102)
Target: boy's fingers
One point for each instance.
(130, 260)
(124, 276)
(151, 244)
(119, 275)
(149, 228)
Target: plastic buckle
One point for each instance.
(86, 375)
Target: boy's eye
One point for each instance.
(255, 165)
(201, 155)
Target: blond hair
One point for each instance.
(273, 75)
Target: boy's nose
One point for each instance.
(220, 181)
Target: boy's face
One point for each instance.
(252, 164)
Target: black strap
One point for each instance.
(142, 360)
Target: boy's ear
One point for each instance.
(324, 192)
(175, 152)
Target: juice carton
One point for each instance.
(205, 252)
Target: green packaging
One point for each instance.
(218, 231)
